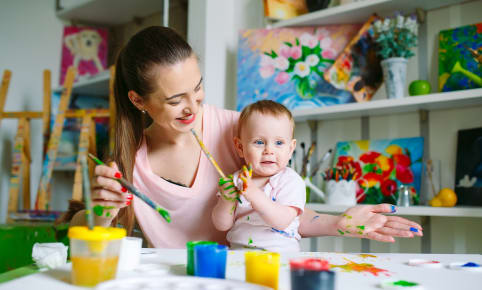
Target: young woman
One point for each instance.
(159, 94)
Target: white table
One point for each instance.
(395, 264)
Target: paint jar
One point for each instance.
(311, 274)
(262, 268)
(190, 254)
(210, 260)
(94, 254)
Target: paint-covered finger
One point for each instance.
(403, 227)
(404, 221)
(250, 169)
(395, 233)
(380, 237)
(384, 208)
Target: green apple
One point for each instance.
(419, 87)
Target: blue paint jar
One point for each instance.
(210, 261)
(311, 274)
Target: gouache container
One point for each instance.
(210, 261)
(94, 254)
(190, 254)
(262, 268)
(130, 254)
(311, 274)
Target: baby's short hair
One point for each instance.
(266, 107)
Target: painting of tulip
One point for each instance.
(287, 65)
(381, 166)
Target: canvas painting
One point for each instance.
(460, 58)
(357, 69)
(287, 65)
(380, 166)
(84, 48)
(468, 170)
(69, 141)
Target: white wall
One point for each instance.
(30, 41)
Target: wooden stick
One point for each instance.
(82, 153)
(7, 75)
(18, 152)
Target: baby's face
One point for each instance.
(266, 142)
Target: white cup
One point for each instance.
(130, 254)
(341, 193)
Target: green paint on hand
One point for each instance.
(98, 210)
(164, 214)
(404, 283)
(238, 199)
(223, 181)
(347, 216)
(348, 232)
(341, 232)
(361, 227)
(107, 214)
(360, 233)
(231, 186)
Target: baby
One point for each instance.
(263, 210)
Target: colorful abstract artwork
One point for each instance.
(460, 58)
(357, 69)
(84, 48)
(287, 65)
(381, 166)
(468, 170)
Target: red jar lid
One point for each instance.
(312, 264)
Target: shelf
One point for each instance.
(94, 86)
(358, 12)
(110, 12)
(458, 211)
(438, 101)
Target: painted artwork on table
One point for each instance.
(69, 141)
(380, 166)
(84, 48)
(468, 170)
(287, 65)
(357, 69)
(460, 58)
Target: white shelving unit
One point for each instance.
(97, 85)
(358, 12)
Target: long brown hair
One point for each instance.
(136, 71)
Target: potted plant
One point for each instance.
(395, 37)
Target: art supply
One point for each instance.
(322, 160)
(429, 173)
(313, 187)
(94, 254)
(425, 263)
(400, 284)
(311, 274)
(306, 160)
(164, 213)
(87, 194)
(176, 282)
(208, 155)
(341, 192)
(404, 196)
(210, 260)
(262, 268)
(466, 266)
(190, 254)
(130, 254)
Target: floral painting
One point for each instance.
(460, 58)
(287, 65)
(381, 166)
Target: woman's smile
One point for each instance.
(187, 119)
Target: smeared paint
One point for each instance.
(340, 231)
(280, 232)
(164, 214)
(99, 209)
(361, 227)
(403, 283)
(273, 199)
(314, 218)
(347, 216)
(470, 264)
(361, 267)
(367, 256)
(394, 209)
(250, 241)
(415, 230)
(247, 217)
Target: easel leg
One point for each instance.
(16, 166)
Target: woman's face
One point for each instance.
(176, 103)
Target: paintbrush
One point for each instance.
(294, 160)
(322, 160)
(87, 194)
(164, 213)
(429, 173)
(307, 159)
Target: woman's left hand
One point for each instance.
(367, 221)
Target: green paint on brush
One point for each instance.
(341, 232)
(403, 283)
(164, 214)
(361, 227)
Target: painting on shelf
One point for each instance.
(357, 69)
(69, 141)
(468, 170)
(460, 58)
(85, 48)
(287, 65)
(380, 166)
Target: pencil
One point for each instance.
(164, 213)
(208, 155)
(87, 194)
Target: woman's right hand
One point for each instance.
(108, 195)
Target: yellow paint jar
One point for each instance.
(94, 254)
(262, 268)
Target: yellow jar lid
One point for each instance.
(96, 234)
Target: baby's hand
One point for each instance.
(228, 189)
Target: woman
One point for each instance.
(159, 94)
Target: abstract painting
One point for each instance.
(381, 166)
(468, 170)
(85, 48)
(460, 58)
(357, 69)
(287, 65)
